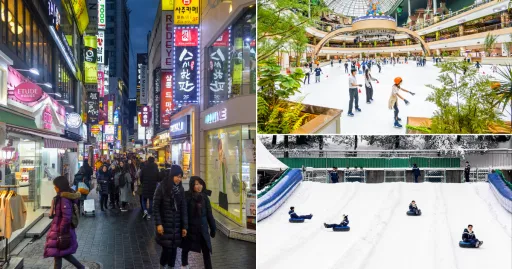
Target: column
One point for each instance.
(328, 56)
(435, 7)
(461, 30)
(438, 52)
(409, 7)
(462, 51)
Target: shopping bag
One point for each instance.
(82, 188)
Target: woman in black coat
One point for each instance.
(199, 219)
(149, 178)
(103, 179)
(170, 215)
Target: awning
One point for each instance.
(18, 120)
(50, 140)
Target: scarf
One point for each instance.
(197, 199)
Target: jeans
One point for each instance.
(306, 77)
(168, 257)
(114, 196)
(306, 216)
(70, 258)
(353, 97)
(317, 79)
(104, 201)
(416, 179)
(346, 69)
(334, 180)
(206, 255)
(144, 207)
(396, 110)
(369, 93)
(141, 204)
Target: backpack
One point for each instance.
(75, 218)
(122, 180)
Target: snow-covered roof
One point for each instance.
(265, 159)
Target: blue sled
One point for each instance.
(296, 220)
(411, 213)
(341, 228)
(463, 244)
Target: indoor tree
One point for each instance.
(503, 94)
(489, 43)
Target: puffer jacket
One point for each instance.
(61, 225)
(200, 217)
(104, 182)
(467, 235)
(149, 177)
(170, 211)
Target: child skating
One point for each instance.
(318, 72)
(368, 85)
(393, 99)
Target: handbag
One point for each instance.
(64, 241)
(83, 189)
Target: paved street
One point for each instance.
(123, 240)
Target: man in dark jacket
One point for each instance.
(149, 178)
(413, 207)
(200, 217)
(343, 223)
(469, 236)
(294, 215)
(170, 215)
(416, 172)
(467, 170)
(334, 175)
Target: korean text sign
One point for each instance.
(145, 117)
(186, 12)
(186, 66)
(92, 107)
(219, 83)
(166, 105)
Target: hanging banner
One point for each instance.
(116, 117)
(90, 65)
(142, 78)
(92, 107)
(145, 116)
(186, 80)
(186, 12)
(166, 102)
(101, 81)
(167, 40)
(110, 129)
(92, 11)
(218, 70)
(102, 15)
(156, 96)
(110, 111)
(119, 133)
(100, 48)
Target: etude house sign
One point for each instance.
(28, 92)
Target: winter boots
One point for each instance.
(397, 125)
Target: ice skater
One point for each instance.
(318, 72)
(368, 85)
(346, 67)
(393, 100)
(413, 208)
(354, 95)
(306, 73)
(469, 236)
(294, 215)
(478, 65)
(344, 223)
(378, 65)
(332, 63)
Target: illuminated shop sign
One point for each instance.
(102, 18)
(73, 120)
(216, 116)
(110, 129)
(180, 126)
(186, 65)
(100, 47)
(186, 12)
(145, 116)
(167, 40)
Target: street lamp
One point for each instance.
(7, 154)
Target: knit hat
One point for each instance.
(175, 171)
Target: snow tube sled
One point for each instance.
(412, 213)
(463, 244)
(341, 228)
(292, 220)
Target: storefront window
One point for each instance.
(230, 169)
(231, 70)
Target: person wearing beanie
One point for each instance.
(61, 242)
(343, 223)
(200, 217)
(149, 178)
(170, 215)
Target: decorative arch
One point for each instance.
(341, 31)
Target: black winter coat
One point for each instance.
(170, 211)
(200, 218)
(149, 177)
(104, 182)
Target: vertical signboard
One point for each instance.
(145, 120)
(186, 65)
(218, 69)
(90, 65)
(92, 11)
(110, 111)
(102, 15)
(156, 96)
(142, 78)
(166, 105)
(100, 48)
(186, 12)
(106, 78)
(167, 40)
(92, 107)
(101, 80)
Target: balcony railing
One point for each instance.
(473, 31)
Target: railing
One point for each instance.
(488, 28)
(451, 14)
(381, 45)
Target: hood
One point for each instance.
(466, 230)
(192, 182)
(71, 195)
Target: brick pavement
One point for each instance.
(124, 240)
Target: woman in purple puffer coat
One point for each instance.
(61, 239)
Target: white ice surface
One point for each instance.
(376, 118)
(381, 234)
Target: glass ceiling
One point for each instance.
(358, 8)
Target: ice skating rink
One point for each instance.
(376, 118)
(382, 235)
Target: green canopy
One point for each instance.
(15, 119)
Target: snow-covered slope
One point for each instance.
(381, 235)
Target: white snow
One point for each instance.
(376, 118)
(381, 234)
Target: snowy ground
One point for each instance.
(381, 235)
(376, 118)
